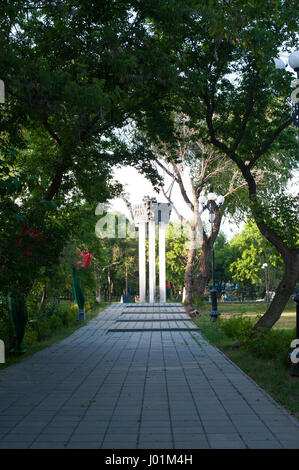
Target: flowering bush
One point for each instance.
(84, 259)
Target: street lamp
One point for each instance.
(265, 267)
(212, 203)
(294, 64)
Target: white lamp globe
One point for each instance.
(212, 197)
(202, 200)
(279, 64)
(294, 61)
(220, 200)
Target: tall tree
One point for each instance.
(230, 80)
(205, 170)
(75, 72)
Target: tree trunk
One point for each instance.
(42, 303)
(109, 285)
(202, 275)
(99, 298)
(189, 267)
(284, 291)
(290, 257)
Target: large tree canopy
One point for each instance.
(231, 82)
(75, 73)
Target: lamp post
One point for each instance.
(294, 64)
(212, 203)
(265, 267)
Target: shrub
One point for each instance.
(271, 344)
(30, 336)
(237, 327)
(69, 314)
(43, 330)
(55, 322)
(88, 305)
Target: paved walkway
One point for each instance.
(103, 387)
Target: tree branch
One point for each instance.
(244, 120)
(267, 145)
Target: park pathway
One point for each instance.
(138, 377)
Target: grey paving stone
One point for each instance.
(256, 436)
(227, 445)
(153, 383)
(191, 444)
(264, 445)
(47, 445)
(14, 445)
(83, 445)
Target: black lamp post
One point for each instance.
(267, 281)
(211, 203)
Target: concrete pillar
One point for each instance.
(152, 259)
(142, 267)
(162, 264)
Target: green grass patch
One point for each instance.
(265, 358)
(252, 310)
(61, 324)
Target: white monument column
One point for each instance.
(142, 263)
(152, 259)
(152, 213)
(162, 264)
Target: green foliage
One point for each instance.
(6, 328)
(250, 251)
(224, 257)
(55, 322)
(272, 344)
(176, 256)
(265, 344)
(69, 314)
(237, 327)
(63, 110)
(281, 212)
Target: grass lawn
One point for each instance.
(56, 336)
(286, 321)
(271, 374)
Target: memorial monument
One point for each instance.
(147, 215)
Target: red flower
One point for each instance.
(85, 260)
